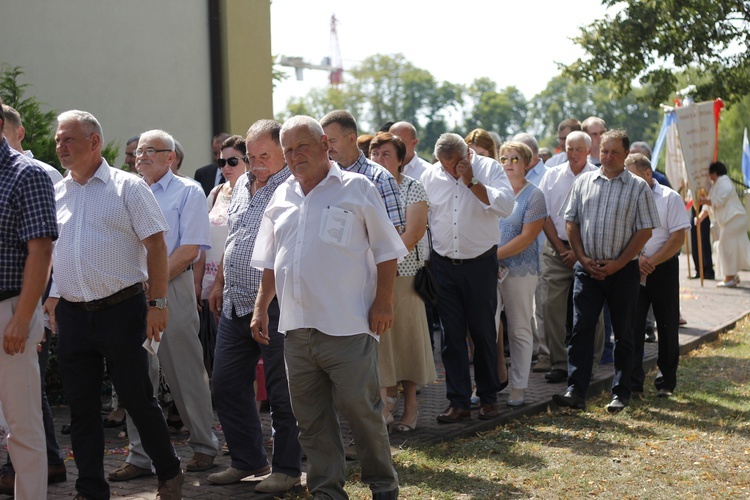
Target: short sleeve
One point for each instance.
(145, 214)
(537, 208)
(37, 204)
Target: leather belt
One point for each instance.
(458, 262)
(188, 268)
(9, 294)
(115, 298)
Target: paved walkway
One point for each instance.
(709, 311)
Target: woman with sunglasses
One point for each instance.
(519, 264)
(233, 163)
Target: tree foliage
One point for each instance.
(39, 125)
(652, 40)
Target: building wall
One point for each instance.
(135, 64)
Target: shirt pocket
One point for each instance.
(336, 226)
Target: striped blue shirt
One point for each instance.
(241, 280)
(386, 184)
(609, 211)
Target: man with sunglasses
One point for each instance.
(179, 353)
(468, 195)
(233, 298)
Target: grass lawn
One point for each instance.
(694, 445)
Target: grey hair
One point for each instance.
(529, 140)
(591, 120)
(161, 135)
(179, 153)
(641, 161)
(642, 145)
(262, 128)
(577, 136)
(88, 121)
(451, 144)
(133, 139)
(302, 121)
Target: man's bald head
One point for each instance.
(407, 133)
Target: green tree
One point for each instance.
(731, 127)
(564, 98)
(503, 112)
(652, 40)
(39, 125)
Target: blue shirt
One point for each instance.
(528, 207)
(27, 212)
(241, 280)
(184, 206)
(386, 184)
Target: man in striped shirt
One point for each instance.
(609, 216)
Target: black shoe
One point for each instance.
(650, 335)
(386, 495)
(556, 376)
(569, 400)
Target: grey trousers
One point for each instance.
(557, 281)
(181, 358)
(328, 375)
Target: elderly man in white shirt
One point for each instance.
(180, 354)
(111, 242)
(468, 195)
(660, 281)
(328, 251)
(558, 258)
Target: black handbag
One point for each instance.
(424, 282)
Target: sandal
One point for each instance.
(390, 405)
(406, 426)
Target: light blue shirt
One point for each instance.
(184, 206)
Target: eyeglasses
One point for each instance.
(232, 162)
(504, 160)
(149, 151)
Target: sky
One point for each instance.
(513, 43)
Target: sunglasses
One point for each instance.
(233, 161)
(504, 160)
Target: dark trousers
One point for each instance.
(85, 340)
(708, 262)
(662, 290)
(53, 449)
(235, 359)
(467, 301)
(620, 291)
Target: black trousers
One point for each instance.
(85, 340)
(662, 291)
(708, 262)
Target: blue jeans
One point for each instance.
(235, 358)
(85, 340)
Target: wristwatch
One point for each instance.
(473, 182)
(159, 303)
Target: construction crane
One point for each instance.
(332, 64)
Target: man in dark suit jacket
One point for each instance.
(209, 176)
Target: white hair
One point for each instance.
(451, 144)
(88, 121)
(161, 135)
(578, 136)
(311, 124)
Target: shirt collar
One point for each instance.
(102, 173)
(625, 176)
(165, 180)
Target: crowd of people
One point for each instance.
(287, 267)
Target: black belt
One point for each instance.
(188, 268)
(458, 262)
(9, 294)
(115, 298)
